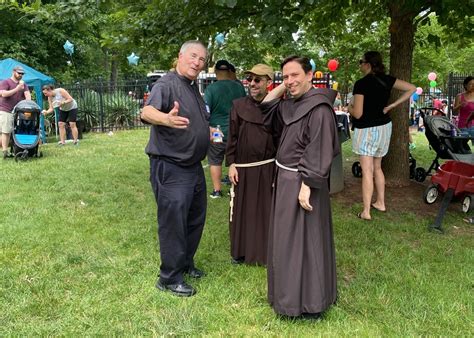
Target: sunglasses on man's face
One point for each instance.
(362, 61)
(255, 79)
(19, 73)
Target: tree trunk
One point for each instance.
(113, 73)
(402, 31)
(106, 58)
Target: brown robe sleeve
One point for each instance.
(322, 147)
(272, 117)
(232, 136)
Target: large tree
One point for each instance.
(155, 28)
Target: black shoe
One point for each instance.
(237, 261)
(303, 316)
(311, 316)
(216, 194)
(195, 273)
(181, 289)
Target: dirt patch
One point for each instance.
(405, 199)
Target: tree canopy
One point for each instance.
(415, 36)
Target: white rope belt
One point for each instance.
(285, 167)
(244, 165)
(254, 164)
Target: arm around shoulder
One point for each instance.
(275, 93)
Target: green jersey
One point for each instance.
(218, 98)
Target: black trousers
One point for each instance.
(181, 198)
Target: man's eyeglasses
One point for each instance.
(19, 73)
(362, 61)
(255, 79)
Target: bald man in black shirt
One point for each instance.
(179, 139)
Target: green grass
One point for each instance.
(79, 257)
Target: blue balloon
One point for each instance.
(415, 97)
(313, 65)
(133, 59)
(220, 39)
(68, 48)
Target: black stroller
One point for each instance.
(439, 131)
(357, 168)
(26, 130)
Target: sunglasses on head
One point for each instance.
(254, 78)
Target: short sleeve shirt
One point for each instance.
(376, 91)
(8, 103)
(219, 97)
(184, 147)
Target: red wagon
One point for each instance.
(453, 179)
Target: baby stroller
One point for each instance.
(357, 168)
(439, 131)
(25, 136)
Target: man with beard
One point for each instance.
(301, 257)
(179, 139)
(250, 154)
(12, 91)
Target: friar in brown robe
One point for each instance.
(301, 257)
(250, 154)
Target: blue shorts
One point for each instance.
(372, 141)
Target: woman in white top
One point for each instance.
(60, 98)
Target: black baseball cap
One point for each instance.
(223, 65)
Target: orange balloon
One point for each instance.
(318, 74)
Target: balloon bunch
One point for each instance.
(432, 77)
(417, 94)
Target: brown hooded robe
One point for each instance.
(301, 258)
(250, 141)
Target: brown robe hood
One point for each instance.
(312, 98)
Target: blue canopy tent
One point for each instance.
(33, 78)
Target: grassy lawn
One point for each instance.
(78, 256)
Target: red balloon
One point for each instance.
(333, 64)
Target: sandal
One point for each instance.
(375, 208)
(359, 215)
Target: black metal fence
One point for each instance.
(455, 86)
(447, 94)
(104, 106)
